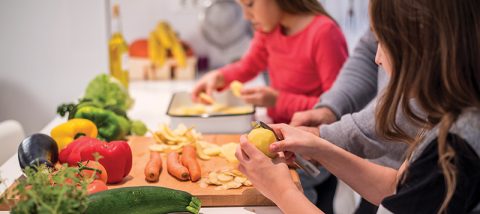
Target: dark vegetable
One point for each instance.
(38, 149)
(145, 200)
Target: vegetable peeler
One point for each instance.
(306, 165)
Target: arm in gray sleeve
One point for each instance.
(356, 85)
(356, 134)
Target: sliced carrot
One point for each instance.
(174, 167)
(153, 167)
(189, 160)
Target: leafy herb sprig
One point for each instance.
(45, 191)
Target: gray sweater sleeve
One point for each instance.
(356, 134)
(356, 84)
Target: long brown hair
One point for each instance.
(302, 7)
(434, 49)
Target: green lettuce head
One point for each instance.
(108, 91)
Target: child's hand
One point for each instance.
(260, 96)
(208, 83)
(270, 176)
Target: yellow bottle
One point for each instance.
(118, 49)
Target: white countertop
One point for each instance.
(151, 102)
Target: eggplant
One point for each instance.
(36, 150)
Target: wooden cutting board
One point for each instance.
(244, 196)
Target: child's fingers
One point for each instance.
(252, 99)
(242, 169)
(248, 91)
(196, 91)
(210, 87)
(249, 149)
(241, 156)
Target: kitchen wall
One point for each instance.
(50, 49)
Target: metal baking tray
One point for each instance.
(212, 123)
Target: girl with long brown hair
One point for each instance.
(300, 46)
(431, 48)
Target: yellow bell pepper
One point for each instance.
(66, 132)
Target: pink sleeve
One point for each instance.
(252, 63)
(289, 103)
(330, 54)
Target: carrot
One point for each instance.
(174, 167)
(153, 167)
(189, 160)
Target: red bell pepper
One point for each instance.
(71, 153)
(116, 156)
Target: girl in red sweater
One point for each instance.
(298, 43)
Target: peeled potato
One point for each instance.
(236, 88)
(174, 140)
(212, 151)
(262, 138)
(200, 153)
(237, 173)
(238, 110)
(157, 147)
(233, 185)
(240, 179)
(206, 98)
(228, 151)
(224, 178)
(206, 144)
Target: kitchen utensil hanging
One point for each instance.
(222, 24)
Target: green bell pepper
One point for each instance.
(110, 125)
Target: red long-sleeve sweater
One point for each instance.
(301, 66)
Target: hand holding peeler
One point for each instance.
(301, 162)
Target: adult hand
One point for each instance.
(298, 141)
(269, 176)
(314, 130)
(314, 117)
(211, 81)
(260, 96)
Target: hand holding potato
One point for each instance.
(260, 96)
(299, 141)
(269, 176)
(211, 81)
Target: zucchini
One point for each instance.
(143, 199)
